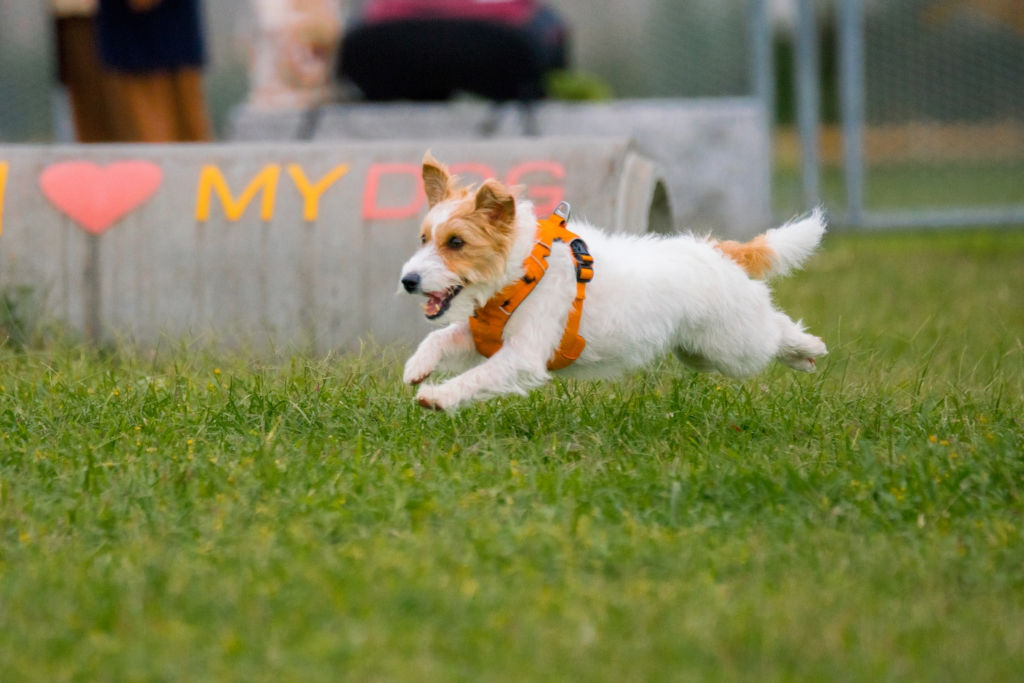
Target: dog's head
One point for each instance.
(465, 240)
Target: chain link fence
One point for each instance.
(937, 116)
(664, 48)
(944, 107)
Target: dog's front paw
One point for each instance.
(417, 369)
(436, 397)
(428, 404)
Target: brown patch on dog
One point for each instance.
(474, 242)
(496, 202)
(436, 180)
(755, 257)
(425, 232)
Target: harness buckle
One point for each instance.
(582, 259)
(563, 210)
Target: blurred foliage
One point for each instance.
(577, 86)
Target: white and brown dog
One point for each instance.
(703, 299)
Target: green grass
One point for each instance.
(910, 186)
(183, 515)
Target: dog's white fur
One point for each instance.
(649, 295)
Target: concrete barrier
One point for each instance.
(715, 152)
(257, 244)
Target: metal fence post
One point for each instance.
(851, 84)
(808, 99)
(762, 78)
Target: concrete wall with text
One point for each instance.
(714, 152)
(257, 244)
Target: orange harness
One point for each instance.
(488, 321)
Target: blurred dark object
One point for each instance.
(79, 70)
(425, 50)
(154, 51)
(141, 36)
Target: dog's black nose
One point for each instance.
(411, 282)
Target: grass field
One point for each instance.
(911, 186)
(183, 515)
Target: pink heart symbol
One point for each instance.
(96, 197)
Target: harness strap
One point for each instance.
(488, 322)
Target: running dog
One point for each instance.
(525, 298)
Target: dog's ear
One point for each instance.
(495, 201)
(436, 180)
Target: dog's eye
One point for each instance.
(423, 239)
(455, 242)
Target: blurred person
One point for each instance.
(154, 52)
(293, 52)
(79, 70)
(430, 50)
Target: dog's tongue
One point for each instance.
(434, 303)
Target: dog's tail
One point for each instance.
(779, 250)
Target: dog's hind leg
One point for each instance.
(694, 360)
(797, 349)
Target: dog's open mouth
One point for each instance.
(438, 302)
